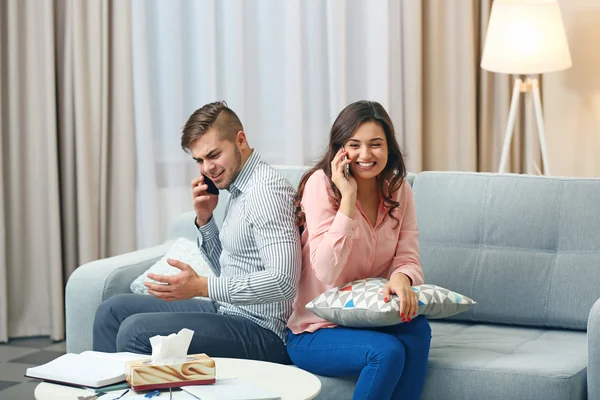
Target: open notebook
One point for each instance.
(90, 369)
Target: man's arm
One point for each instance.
(210, 245)
(207, 232)
(269, 209)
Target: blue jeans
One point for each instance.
(126, 322)
(390, 362)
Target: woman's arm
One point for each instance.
(406, 258)
(330, 231)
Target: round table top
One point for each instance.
(288, 382)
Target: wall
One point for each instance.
(572, 97)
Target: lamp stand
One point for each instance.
(531, 84)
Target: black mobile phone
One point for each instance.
(212, 188)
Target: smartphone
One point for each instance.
(346, 167)
(212, 188)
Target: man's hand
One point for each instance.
(183, 286)
(204, 203)
(400, 285)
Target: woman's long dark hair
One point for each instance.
(351, 117)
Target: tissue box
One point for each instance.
(198, 369)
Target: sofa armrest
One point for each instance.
(94, 282)
(593, 371)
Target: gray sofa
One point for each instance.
(526, 248)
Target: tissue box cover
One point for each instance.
(198, 369)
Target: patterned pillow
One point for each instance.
(360, 304)
(183, 250)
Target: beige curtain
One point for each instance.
(96, 129)
(3, 258)
(455, 114)
(32, 260)
(67, 192)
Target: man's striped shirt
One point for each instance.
(256, 257)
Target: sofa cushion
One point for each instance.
(360, 304)
(475, 361)
(510, 240)
(495, 362)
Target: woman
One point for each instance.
(359, 226)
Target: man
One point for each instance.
(256, 258)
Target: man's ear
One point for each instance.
(240, 140)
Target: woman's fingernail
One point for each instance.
(409, 320)
(385, 299)
(402, 314)
(403, 319)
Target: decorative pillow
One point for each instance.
(360, 304)
(183, 250)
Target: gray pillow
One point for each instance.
(360, 304)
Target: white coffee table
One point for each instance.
(290, 383)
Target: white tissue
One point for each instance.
(171, 349)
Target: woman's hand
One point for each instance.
(347, 187)
(400, 285)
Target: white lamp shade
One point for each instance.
(525, 37)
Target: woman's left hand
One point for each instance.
(400, 285)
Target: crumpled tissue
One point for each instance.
(171, 349)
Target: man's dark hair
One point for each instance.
(212, 115)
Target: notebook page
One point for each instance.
(80, 370)
(122, 356)
(230, 389)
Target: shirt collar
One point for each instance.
(242, 181)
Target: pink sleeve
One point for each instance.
(406, 259)
(330, 231)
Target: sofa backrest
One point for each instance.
(526, 248)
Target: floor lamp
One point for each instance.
(525, 38)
